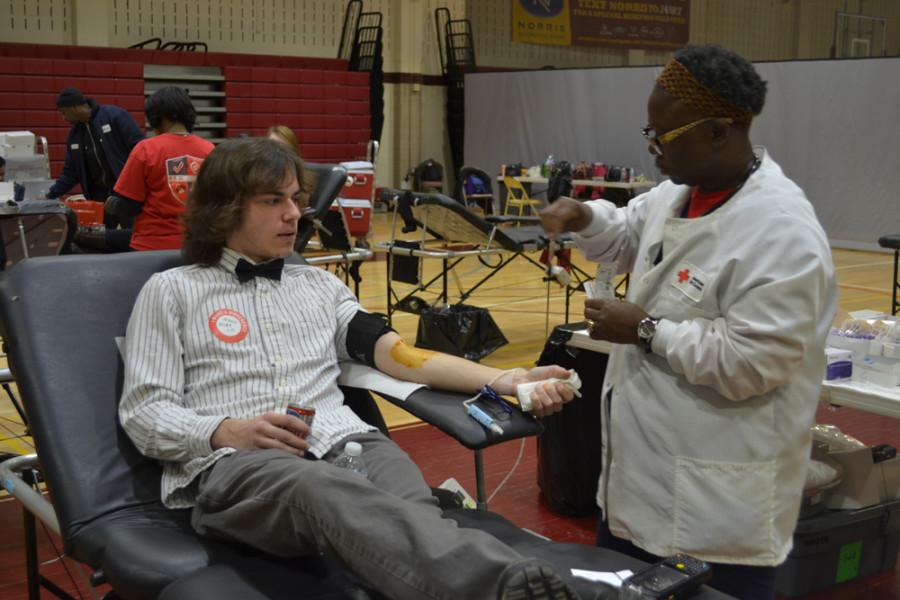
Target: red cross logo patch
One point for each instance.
(684, 275)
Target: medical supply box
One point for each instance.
(16, 144)
(838, 364)
(839, 546)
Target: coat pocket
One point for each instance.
(724, 509)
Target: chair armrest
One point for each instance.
(440, 408)
(445, 411)
(31, 499)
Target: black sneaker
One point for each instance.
(533, 579)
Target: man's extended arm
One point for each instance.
(443, 371)
(369, 340)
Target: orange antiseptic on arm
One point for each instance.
(410, 356)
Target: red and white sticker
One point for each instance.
(690, 281)
(228, 325)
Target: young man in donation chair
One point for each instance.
(217, 349)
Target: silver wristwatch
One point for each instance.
(646, 329)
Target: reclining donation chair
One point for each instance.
(451, 224)
(60, 317)
(327, 182)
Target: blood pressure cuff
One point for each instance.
(363, 333)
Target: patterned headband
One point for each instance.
(677, 81)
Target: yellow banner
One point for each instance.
(541, 22)
(649, 24)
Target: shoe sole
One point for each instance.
(537, 582)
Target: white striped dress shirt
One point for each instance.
(201, 347)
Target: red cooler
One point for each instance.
(355, 200)
(360, 180)
(357, 215)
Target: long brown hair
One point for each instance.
(237, 169)
(286, 135)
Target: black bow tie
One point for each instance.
(246, 271)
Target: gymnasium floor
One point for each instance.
(518, 300)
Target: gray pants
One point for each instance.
(386, 529)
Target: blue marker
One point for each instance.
(483, 418)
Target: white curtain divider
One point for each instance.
(831, 124)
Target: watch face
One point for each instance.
(646, 329)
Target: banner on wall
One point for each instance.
(646, 24)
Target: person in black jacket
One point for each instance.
(97, 147)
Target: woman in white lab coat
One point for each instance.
(714, 377)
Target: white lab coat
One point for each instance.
(706, 439)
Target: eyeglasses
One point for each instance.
(656, 141)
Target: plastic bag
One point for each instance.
(569, 449)
(459, 329)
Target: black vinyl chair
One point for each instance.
(428, 176)
(326, 182)
(60, 317)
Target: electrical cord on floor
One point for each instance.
(510, 473)
(14, 435)
(61, 559)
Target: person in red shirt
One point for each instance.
(157, 179)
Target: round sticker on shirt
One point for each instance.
(228, 325)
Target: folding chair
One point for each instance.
(428, 176)
(484, 200)
(517, 195)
